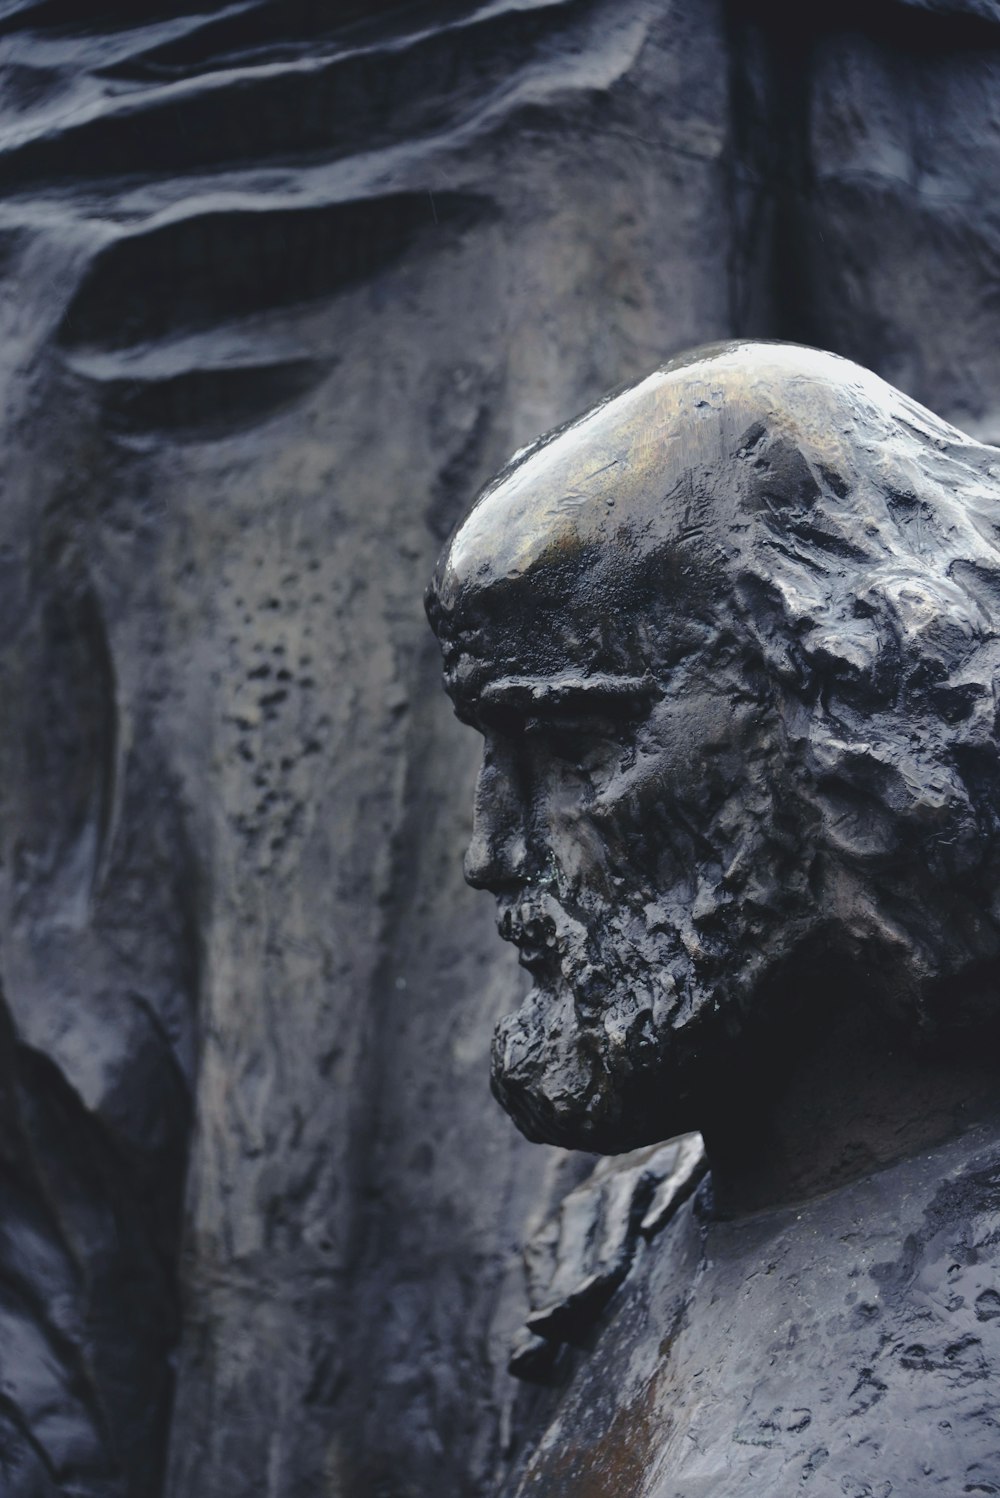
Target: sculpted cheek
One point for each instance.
(579, 848)
(636, 824)
(694, 729)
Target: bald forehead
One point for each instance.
(554, 558)
(658, 474)
(562, 498)
(640, 461)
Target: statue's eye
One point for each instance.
(582, 742)
(498, 718)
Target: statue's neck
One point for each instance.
(844, 1102)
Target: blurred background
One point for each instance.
(281, 283)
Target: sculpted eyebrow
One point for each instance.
(525, 693)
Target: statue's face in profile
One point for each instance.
(609, 812)
(611, 818)
(735, 701)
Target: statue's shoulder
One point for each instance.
(853, 1339)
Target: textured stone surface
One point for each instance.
(582, 1253)
(792, 1349)
(280, 287)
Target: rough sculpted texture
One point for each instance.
(732, 640)
(864, 1358)
(581, 1254)
(282, 284)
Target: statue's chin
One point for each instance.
(588, 1087)
(539, 1075)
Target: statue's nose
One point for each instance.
(497, 855)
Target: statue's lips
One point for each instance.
(559, 950)
(534, 935)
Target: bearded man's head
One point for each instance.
(732, 640)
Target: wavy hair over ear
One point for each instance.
(868, 580)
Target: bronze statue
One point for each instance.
(731, 639)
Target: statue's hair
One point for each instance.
(868, 581)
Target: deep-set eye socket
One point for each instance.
(498, 718)
(584, 742)
(584, 730)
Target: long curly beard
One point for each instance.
(598, 1056)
